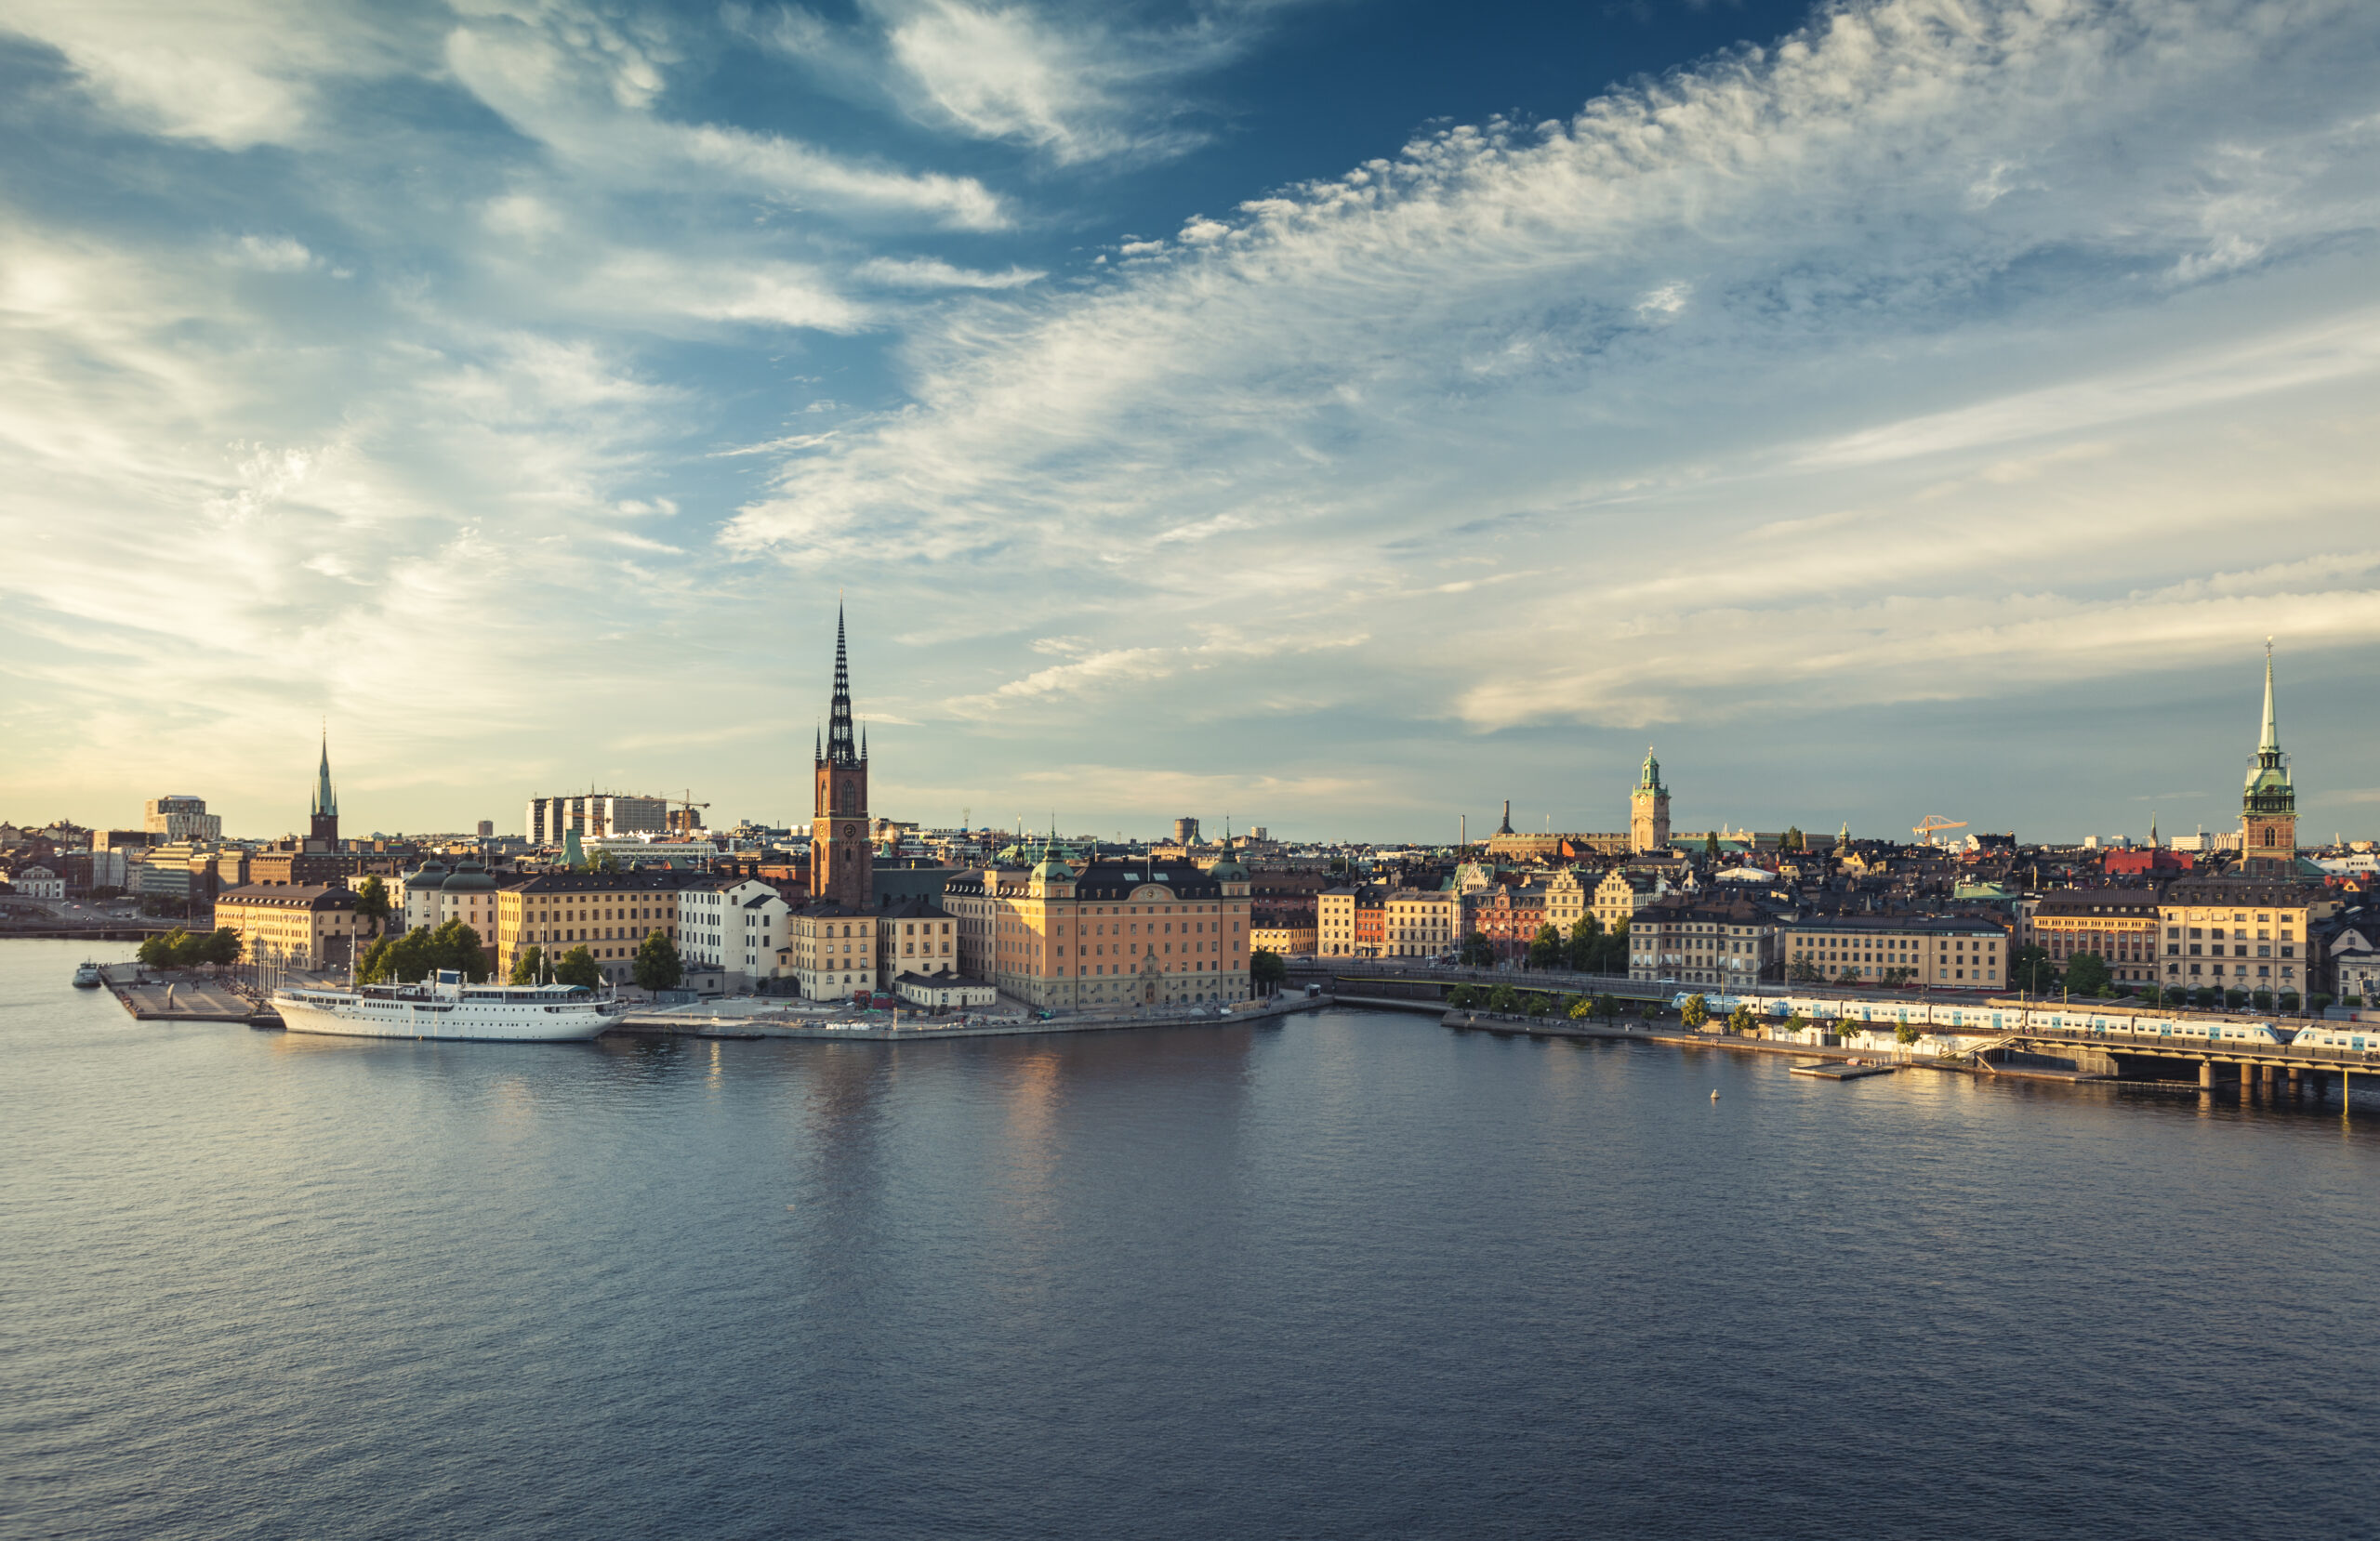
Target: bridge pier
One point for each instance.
(2206, 1075)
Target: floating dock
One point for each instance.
(1837, 1070)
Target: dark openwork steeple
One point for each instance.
(841, 748)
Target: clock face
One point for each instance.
(851, 832)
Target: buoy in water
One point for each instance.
(1714, 1094)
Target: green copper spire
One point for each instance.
(2271, 742)
(325, 797)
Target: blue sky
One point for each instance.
(1338, 415)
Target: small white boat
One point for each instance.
(445, 1007)
(89, 976)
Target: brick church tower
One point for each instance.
(842, 859)
(2268, 806)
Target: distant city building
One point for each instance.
(2118, 925)
(592, 815)
(38, 882)
(291, 925)
(610, 914)
(180, 818)
(1420, 922)
(1648, 808)
(2241, 933)
(2268, 806)
(1945, 953)
(1111, 933)
(1186, 832)
(734, 926)
(487, 829)
(1729, 945)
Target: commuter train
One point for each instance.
(1994, 1018)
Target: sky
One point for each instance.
(1336, 415)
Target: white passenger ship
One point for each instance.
(445, 1007)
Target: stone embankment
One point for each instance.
(873, 1029)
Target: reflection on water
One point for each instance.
(1346, 1275)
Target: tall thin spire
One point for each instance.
(326, 797)
(841, 748)
(2271, 742)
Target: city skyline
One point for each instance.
(1196, 424)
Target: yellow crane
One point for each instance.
(680, 819)
(1933, 825)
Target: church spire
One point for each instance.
(326, 797)
(2271, 742)
(841, 748)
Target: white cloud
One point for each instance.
(277, 254)
(1488, 345)
(926, 273)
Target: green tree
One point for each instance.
(1462, 998)
(606, 860)
(657, 965)
(457, 945)
(1908, 1033)
(1711, 845)
(2288, 1001)
(1896, 977)
(1844, 1027)
(1502, 998)
(1478, 951)
(1609, 1006)
(2086, 974)
(163, 951)
(2262, 1000)
(578, 966)
(1582, 1009)
(1740, 1022)
(2353, 1003)
(1537, 1004)
(2235, 999)
(1797, 1024)
(1695, 1012)
(220, 946)
(372, 902)
(1791, 841)
(1804, 971)
(2031, 969)
(1266, 971)
(2318, 1002)
(1849, 976)
(1615, 949)
(1545, 950)
(1585, 951)
(527, 965)
(2206, 998)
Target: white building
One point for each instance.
(40, 883)
(734, 926)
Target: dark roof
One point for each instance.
(2243, 891)
(295, 896)
(1947, 925)
(650, 881)
(2098, 901)
(914, 909)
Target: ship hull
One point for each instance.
(536, 1024)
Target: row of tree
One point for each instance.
(421, 952)
(1589, 949)
(182, 949)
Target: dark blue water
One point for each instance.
(1350, 1276)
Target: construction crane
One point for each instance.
(1933, 825)
(681, 820)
